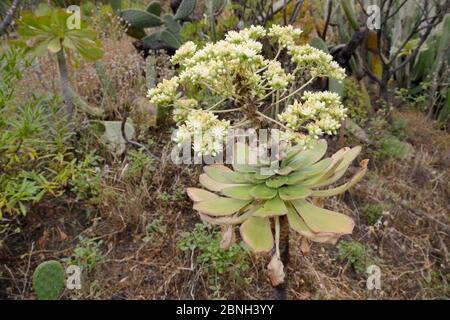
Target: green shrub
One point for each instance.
(175, 194)
(87, 254)
(140, 165)
(355, 254)
(156, 227)
(205, 239)
(372, 213)
(36, 154)
(400, 128)
(392, 147)
(416, 97)
(357, 101)
(36, 158)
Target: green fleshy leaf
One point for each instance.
(263, 192)
(141, 19)
(250, 178)
(153, 38)
(220, 206)
(349, 156)
(154, 7)
(171, 25)
(213, 185)
(292, 153)
(338, 190)
(257, 234)
(307, 172)
(263, 176)
(337, 159)
(137, 33)
(298, 225)
(54, 45)
(197, 194)
(241, 192)
(185, 9)
(276, 182)
(170, 39)
(273, 207)
(321, 220)
(309, 156)
(284, 171)
(340, 169)
(223, 174)
(49, 280)
(294, 192)
(229, 220)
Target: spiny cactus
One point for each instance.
(139, 19)
(256, 197)
(49, 280)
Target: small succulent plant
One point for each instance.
(169, 25)
(49, 280)
(253, 196)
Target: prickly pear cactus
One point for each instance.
(170, 25)
(49, 280)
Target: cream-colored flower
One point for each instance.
(186, 51)
(285, 35)
(318, 112)
(317, 62)
(165, 92)
(276, 77)
(205, 130)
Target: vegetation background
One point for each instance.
(117, 207)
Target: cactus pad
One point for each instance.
(49, 280)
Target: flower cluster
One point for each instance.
(182, 108)
(186, 51)
(276, 77)
(225, 66)
(251, 33)
(165, 92)
(294, 137)
(285, 35)
(206, 131)
(317, 62)
(233, 75)
(319, 113)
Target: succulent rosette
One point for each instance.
(253, 195)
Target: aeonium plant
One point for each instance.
(240, 83)
(260, 203)
(47, 29)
